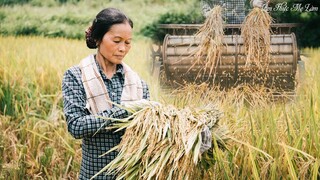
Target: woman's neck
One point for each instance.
(108, 68)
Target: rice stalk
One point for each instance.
(210, 34)
(163, 142)
(254, 168)
(291, 168)
(315, 170)
(256, 33)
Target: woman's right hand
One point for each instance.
(139, 104)
(259, 3)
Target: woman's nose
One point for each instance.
(122, 47)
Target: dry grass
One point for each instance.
(34, 137)
(256, 32)
(195, 95)
(268, 139)
(208, 53)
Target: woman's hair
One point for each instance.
(102, 24)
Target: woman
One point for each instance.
(91, 88)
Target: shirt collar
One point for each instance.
(119, 68)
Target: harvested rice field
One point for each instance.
(265, 139)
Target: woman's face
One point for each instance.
(116, 43)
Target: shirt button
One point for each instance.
(113, 94)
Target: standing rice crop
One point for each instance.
(256, 34)
(210, 35)
(163, 142)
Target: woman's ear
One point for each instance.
(98, 43)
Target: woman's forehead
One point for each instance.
(123, 30)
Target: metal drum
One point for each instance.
(177, 57)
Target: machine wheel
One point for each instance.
(155, 62)
(154, 56)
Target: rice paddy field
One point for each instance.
(266, 140)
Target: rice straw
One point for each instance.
(256, 33)
(163, 142)
(210, 46)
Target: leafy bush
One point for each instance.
(162, 1)
(307, 33)
(41, 3)
(2, 16)
(66, 24)
(67, 18)
(37, 2)
(70, 19)
(156, 34)
(27, 30)
(12, 2)
(68, 1)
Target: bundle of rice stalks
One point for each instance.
(210, 35)
(256, 32)
(163, 142)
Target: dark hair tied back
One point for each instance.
(91, 43)
(102, 24)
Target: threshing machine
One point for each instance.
(172, 58)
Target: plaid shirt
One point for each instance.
(91, 129)
(234, 10)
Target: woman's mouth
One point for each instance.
(119, 56)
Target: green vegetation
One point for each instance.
(70, 18)
(306, 13)
(155, 33)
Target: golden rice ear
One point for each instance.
(209, 50)
(256, 33)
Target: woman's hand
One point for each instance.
(259, 3)
(138, 105)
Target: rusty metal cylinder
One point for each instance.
(178, 50)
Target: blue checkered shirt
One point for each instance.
(83, 125)
(234, 10)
